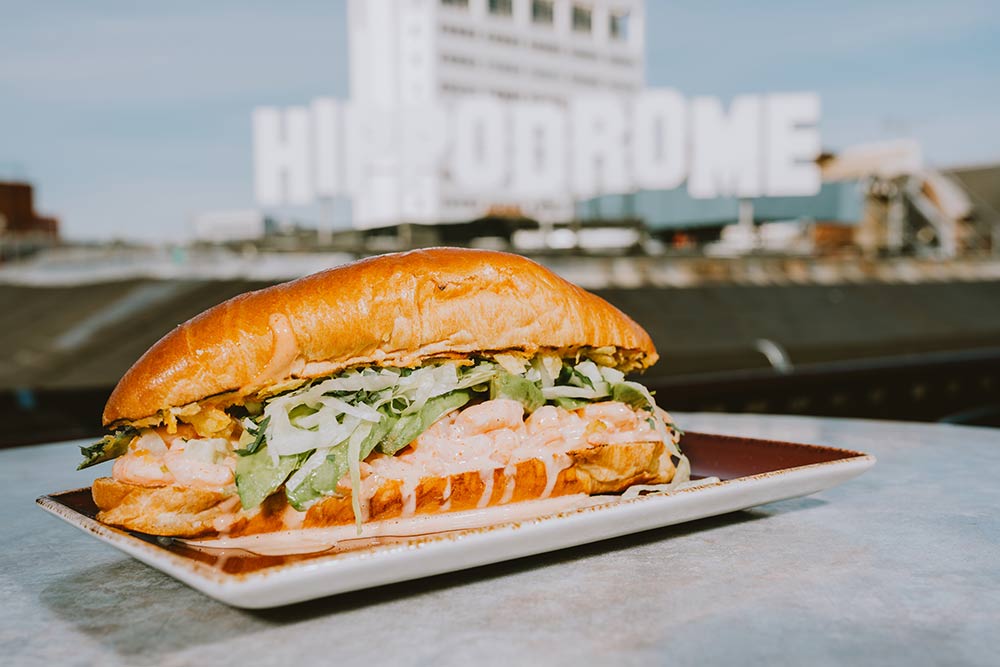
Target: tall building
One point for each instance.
(411, 54)
(18, 215)
(22, 230)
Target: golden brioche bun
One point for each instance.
(391, 310)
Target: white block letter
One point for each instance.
(599, 143)
(372, 164)
(281, 159)
(424, 135)
(478, 161)
(326, 135)
(725, 156)
(539, 150)
(659, 140)
(793, 145)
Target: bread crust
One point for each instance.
(164, 510)
(391, 310)
(184, 512)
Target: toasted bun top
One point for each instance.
(392, 310)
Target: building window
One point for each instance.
(502, 39)
(542, 46)
(618, 26)
(457, 59)
(453, 88)
(501, 7)
(545, 74)
(541, 12)
(455, 3)
(504, 67)
(457, 30)
(581, 19)
(548, 99)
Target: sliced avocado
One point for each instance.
(257, 476)
(516, 388)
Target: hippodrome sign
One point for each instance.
(762, 145)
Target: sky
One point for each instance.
(131, 118)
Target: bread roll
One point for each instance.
(391, 310)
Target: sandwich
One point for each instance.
(419, 383)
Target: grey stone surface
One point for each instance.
(899, 566)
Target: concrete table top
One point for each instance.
(901, 565)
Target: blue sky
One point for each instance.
(132, 117)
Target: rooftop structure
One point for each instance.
(413, 54)
(891, 199)
(18, 215)
(22, 230)
(420, 51)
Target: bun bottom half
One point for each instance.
(186, 512)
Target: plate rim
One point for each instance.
(238, 588)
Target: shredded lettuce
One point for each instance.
(109, 447)
(354, 467)
(255, 436)
(318, 477)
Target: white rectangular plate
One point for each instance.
(753, 472)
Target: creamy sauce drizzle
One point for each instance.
(284, 352)
(446, 496)
(487, 477)
(222, 524)
(509, 474)
(554, 465)
(409, 491)
(292, 518)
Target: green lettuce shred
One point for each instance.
(109, 447)
(258, 438)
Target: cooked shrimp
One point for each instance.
(550, 425)
(615, 415)
(442, 428)
(193, 472)
(544, 418)
(494, 434)
(491, 416)
(150, 442)
(142, 469)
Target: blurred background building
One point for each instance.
(878, 295)
(405, 55)
(22, 230)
